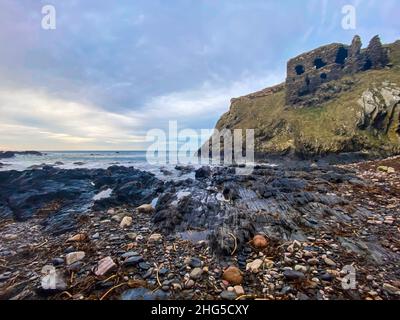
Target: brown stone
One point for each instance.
(259, 242)
(78, 238)
(233, 275)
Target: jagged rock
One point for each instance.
(376, 54)
(379, 106)
(69, 193)
(203, 172)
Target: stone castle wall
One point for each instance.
(307, 72)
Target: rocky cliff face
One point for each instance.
(357, 108)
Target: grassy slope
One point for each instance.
(330, 127)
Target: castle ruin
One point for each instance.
(307, 72)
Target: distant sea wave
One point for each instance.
(95, 160)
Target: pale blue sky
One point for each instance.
(114, 69)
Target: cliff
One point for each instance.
(345, 99)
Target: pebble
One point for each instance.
(233, 275)
(131, 235)
(391, 289)
(126, 222)
(104, 266)
(293, 275)
(76, 266)
(10, 237)
(78, 238)
(146, 208)
(326, 277)
(132, 261)
(228, 295)
(254, 266)
(73, 257)
(193, 262)
(312, 261)
(189, 284)
(239, 290)
(130, 254)
(329, 262)
(260, 242)
(300, 268)
(156, 237)
(196, 273)
(144, 266)
(57, 261)
(5, 276)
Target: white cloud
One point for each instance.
(209, 99)
(32, 116)
(36, 120)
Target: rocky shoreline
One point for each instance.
(288, 232)
(12, 154)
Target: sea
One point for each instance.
(154, 163)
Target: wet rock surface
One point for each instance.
(64, 196)
(286, 232)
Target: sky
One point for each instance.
(111, 71)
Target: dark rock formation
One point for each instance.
(63, 195)
(309, 71)
(11, 154)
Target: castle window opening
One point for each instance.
(319, 63)
(323, 76)
(299, 69)
(367, 65)
(342, 55)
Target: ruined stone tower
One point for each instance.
(307, 72)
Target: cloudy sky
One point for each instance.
(112, 70)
